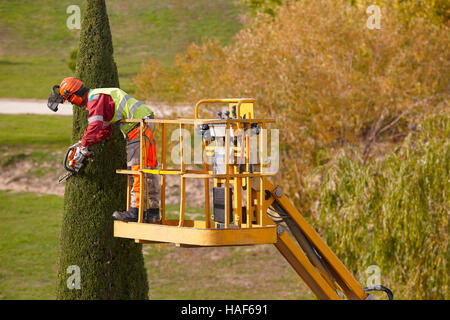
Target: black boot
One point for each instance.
(151, 215)
(130, 216)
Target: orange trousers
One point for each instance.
(150, 161)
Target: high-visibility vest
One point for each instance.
(125, 107)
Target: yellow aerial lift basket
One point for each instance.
(246, 208)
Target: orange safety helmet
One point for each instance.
(72, 89)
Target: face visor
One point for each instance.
(54, 99)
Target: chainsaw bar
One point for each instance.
(64, 177)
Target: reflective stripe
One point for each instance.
(122, 104)
(95, 118)
(133, 108)
(94, 97)
(106, 123)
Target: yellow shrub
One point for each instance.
(326, 78)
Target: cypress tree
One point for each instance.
(110, 268)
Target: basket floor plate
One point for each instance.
(195, 236)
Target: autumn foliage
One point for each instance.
(333, 85)
(320, 72)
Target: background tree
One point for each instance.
(111, 268)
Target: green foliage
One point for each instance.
(265, 6)
(436, 11)
(72, 63)
(95, 63)
(111, 268)
(393, 213)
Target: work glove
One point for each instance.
(80, 153)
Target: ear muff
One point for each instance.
(77, 96)
(76, 99)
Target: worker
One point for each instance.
(107, 106)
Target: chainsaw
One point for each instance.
(72, 165)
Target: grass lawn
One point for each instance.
(29, 236)
(52, 132)
(36, 43)
(40, 139)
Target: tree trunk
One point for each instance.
(109, 268)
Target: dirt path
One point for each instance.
(31, 106)
(16, 177)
